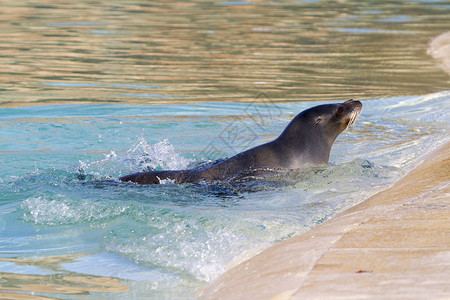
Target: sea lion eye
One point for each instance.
(340, 110)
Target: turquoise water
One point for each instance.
(155, 85)
(60, 195)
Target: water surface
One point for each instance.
(146, 52)
(64, 214)
(221, 77)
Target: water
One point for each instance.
(144, 52)
(220, 77)
(63, 211)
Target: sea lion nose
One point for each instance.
(355, 103)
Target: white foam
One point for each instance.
(59, 210)
(141, 156)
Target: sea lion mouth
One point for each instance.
(354, 107)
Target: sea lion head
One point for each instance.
(332, 119)
(311, 133)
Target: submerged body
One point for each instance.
(307, 139)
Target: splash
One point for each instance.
(200, 243)
(159, 156)
(139, 157)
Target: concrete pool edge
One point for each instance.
(396, 244)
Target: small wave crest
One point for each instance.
(59, 210)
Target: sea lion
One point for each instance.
(307, 139)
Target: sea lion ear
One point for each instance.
(317, 121)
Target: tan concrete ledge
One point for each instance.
(395, 245)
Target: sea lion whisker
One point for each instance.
(354, 115)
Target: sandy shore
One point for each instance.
(395, 245)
